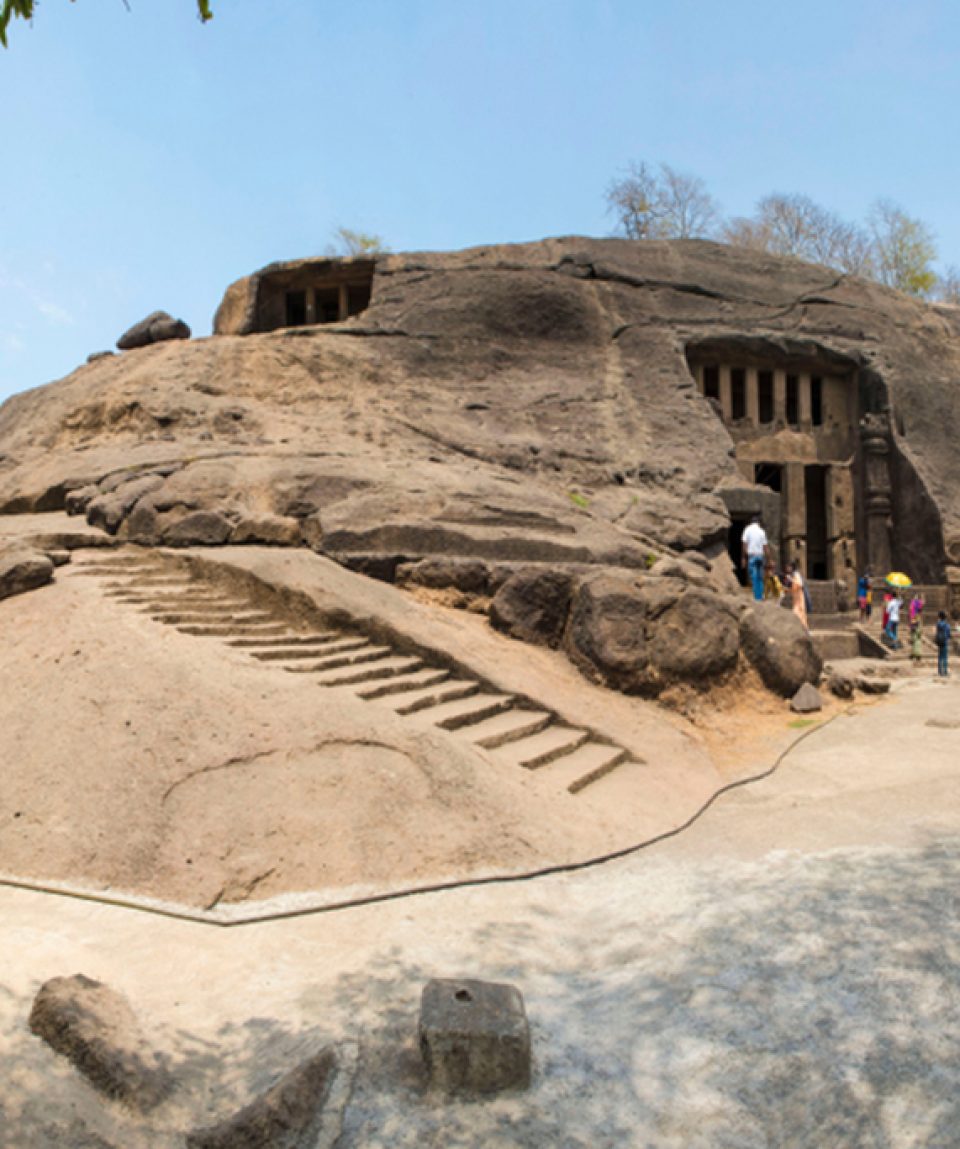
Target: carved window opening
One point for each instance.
(711, 383)
(816, 400)
(296, 308)
(793, 401)
(769, 475)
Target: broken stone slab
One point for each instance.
(95, 1028)
(533, 605)
(840, 685)
(155, 328)
(474, 1036)
(290, 1113)
(806, 700)
(873, 685)
(22, 570)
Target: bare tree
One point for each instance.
(796, 225)
(661, 205)
(24, 10)
(904, 249)
(948, 286)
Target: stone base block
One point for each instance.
(474, 1036)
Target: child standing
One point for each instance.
(943, 644)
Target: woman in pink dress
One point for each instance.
(797, 600)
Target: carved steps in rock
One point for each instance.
(412, 683)
(288, 639)
(508, 726)
(514, 734)
(413, 701)
(466, 711)
(587, 764)
(336, 644)
(385, 667)
(543, 748)
(366, 651)
(234, 630)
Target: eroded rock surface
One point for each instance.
(776, 644)
(95, 1028)
(23, 569)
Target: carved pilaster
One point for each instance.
(878, 503)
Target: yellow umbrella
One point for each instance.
(898, 579)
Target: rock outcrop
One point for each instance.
(502, 406)
(157, 327)
(779, 648)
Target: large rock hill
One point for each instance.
(528, 401)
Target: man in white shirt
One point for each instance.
(754, 551)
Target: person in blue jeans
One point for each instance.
(943, 644)
(754, 553)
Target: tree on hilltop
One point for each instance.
(661, 205)
(24, 10)
(904, 250)
(350, 243)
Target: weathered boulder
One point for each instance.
(841, 685)
(108, 511)
(807, 700)
(472, 576)
(95, 1028)
(155, 328)
(286, 1115)
(639, 635)
(199, 529)
(533, 605)
(22, 570)
(778, 646)
(267, 530)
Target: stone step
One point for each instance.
(585, 765)
(543, 748)
(118, 590)
(406, 684)
(413, 701)
(287, 638)
(508, 726)
(335, 645)
(240, 630)
(390, 667)
(226, 618)
(103, 570)
(466, 711)
(365, 653)
(183, 602)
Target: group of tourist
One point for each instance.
(766, 583)
(893, 604)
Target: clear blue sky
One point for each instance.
(149, 160)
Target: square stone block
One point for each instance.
(474, 1036)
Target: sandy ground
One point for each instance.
(781, 974)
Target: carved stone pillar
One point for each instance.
(804, 402)
(779, 397)
(752, 384)
(878, 505)
(726, 395)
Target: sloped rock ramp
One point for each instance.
(502, 725)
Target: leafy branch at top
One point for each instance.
(24, 9)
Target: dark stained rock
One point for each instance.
(199, 529)
(474, 1036)
(76, 501)
(472, 576)
(284, 1116)
(533, 605)
(639, 635)
(95, 355)
(870, 685)
(807, 700)
(841, 685)
(22, 570)
(776, 644)
(95, 1028)
(155, 328)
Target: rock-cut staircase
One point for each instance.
(509, 729)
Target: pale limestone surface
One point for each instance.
(781, 974)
